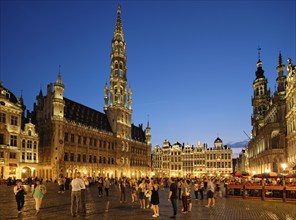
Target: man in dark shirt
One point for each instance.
(173, 195)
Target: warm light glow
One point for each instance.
(33, 168)
(133, 173)
(84, 172)
(254, 172)
(267, 170)
(211, 174)
(284, 166)
(23, 170)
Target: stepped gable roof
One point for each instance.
(138, 134)
(87, 116)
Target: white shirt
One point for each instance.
(77, 184)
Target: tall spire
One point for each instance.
(281, 79)
(280, 59)
(118, 33)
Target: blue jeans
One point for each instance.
(174, 204)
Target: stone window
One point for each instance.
(23, 156)
(34, 156)
(72, 157)
(66, 157)
(13, 120)
(13, 140)
(2, 117)
(72, 138)
(66, 138)
(29, 144)
(29, 156)
(78, 158)
(84, 158)
(12, 155)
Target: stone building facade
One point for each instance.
(181, 160)
(74, 137)
(267, 147)
(291, 116)
(18, 139)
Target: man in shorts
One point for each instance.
(210, 193)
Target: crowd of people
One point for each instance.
(142, 191)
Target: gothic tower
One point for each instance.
(260, 100)
(281, 79)
(58, 105)
(118, 99)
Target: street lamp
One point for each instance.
(284, 166)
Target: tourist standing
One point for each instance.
(188, 193)
(77, 185)
(38, 193)
(133, 185)
(19, 192)
(210, 193)
(83, 197)
(107, 186)
(122, 188)
(173, 195)
(201, 189)
(179, 188)
(100, 186)
(195, 187)
(61, 182)
(184, 196)
(141, 189)
(155, 198)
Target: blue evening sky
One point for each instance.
(191, 64)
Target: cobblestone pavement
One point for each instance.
(57, 206)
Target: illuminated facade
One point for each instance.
(179, 160)
(75, 138)
(267, 147)
(291, 115)
(18, 139)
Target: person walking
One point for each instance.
(38, 193)
(20, 193)
(155, 198)
(210, 193)
(173, 196)
(77, 185)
